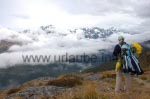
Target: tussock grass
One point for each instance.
(17, 97)
(108, 74)
(69, 80)
(88, 91)
(14, 90)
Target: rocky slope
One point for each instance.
(98, 85)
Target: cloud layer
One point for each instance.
(38, 42)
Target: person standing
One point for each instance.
(117, 53)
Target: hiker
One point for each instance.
(126, 63)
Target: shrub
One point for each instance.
(14, 90)
(69, 80)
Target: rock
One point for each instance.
(30, 92)
(93, 77)
(44, 79)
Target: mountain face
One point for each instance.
(48, 29)
(91, 33)
(4, 45)
(95, 32)
(146, 44)
(13, 76)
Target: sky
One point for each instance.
(130, 15)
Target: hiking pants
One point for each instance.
(119, 81)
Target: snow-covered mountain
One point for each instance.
(96, 32)
(91, 33)
(48, 29)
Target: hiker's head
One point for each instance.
(121, 39)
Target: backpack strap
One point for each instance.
(129, 49)
(120, 45)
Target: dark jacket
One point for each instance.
(117, 50)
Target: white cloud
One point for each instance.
(36, 43)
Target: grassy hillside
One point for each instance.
(98, 85)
